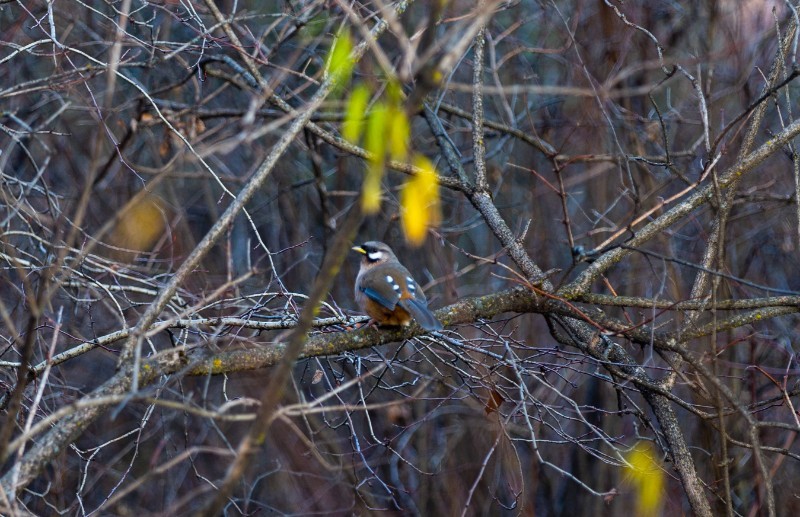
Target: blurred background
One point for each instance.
(127, 128)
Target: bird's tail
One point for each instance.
(420, 312)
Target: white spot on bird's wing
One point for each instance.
(411, 285)
(391, 281)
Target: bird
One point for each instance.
(387, 292)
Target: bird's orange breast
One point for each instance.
(398, 316)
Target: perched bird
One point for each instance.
(387, 292)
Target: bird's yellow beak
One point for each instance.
(359, 249)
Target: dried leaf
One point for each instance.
(493, 402)
(610, 496)
(398, 414)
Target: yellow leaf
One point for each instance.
(419, 201)
(354, 117)
(340, 66)
(647, 477)
(140, 226)
(399, 126)
(414, 215)
(375, 143)
(314, 27)
(371, 191)
(394, 92)
(375, 138)
(399, 134)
